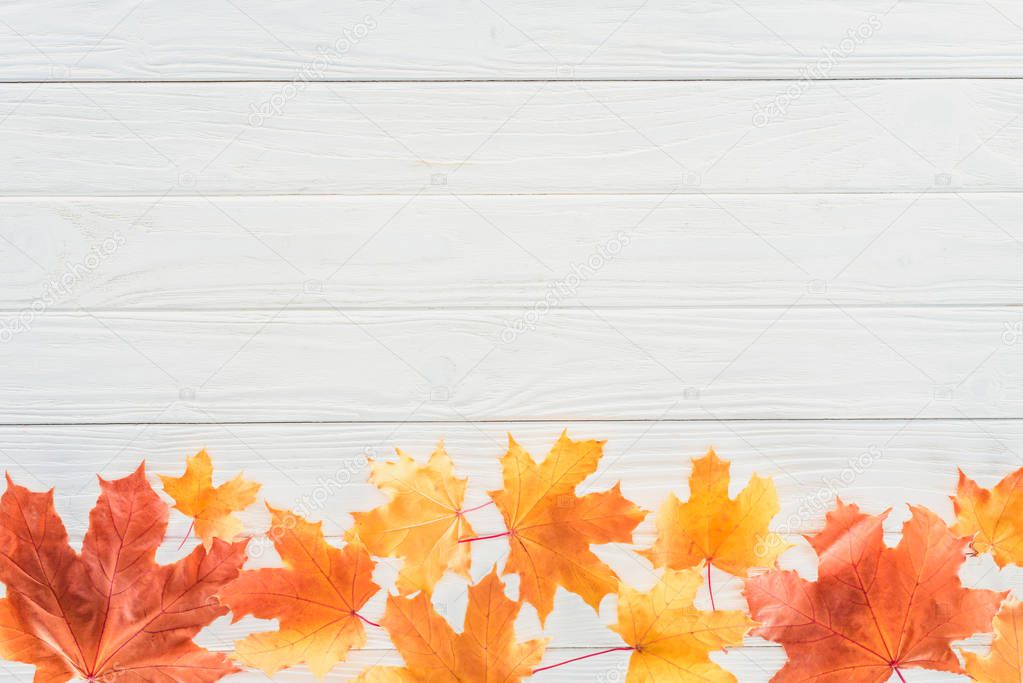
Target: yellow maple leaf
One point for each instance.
(421, 523)
(210, 507)
(731, 534)
(670, 638)
(994, 518)
(1004, 663)
(550, 527)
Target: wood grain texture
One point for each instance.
(514, 138)
(232, 253)
(321, 468)
(829, 362)
(819, 276)
(501, 39)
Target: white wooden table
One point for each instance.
(301, 234)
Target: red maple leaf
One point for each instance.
(111, 611)
(873, 610)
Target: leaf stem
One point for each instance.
(371, 623)
(576, 659)
(187, 534)
(483, 538)
(899, 674)
(478, 507)
(710, 589)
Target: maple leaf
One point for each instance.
(873, 610)
(210, 507)
(550, 528)
(110, 611)
(485, 651)
(1004, 664)
(421, 523)
(732, 534)
(316, 597)
(669, 637)
(994, 518)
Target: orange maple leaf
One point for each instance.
(1004, 663)
(732, 534)
(874, 610)
(111, 611)
(994, 518)
(550, 528)
(316, 598)
(485, 651)
(421, 523)
(209, 506)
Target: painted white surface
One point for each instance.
(468, 364)
(501, 39)
(811, 461)
(298, 289)
(404, 138)
(365, 252)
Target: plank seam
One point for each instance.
(329, 81)
(514, 421)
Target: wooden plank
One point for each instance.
(519, 138)
(498, 364)
(500, 39)
(319, 470)
(602, 251)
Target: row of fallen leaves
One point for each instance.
(111, 612)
